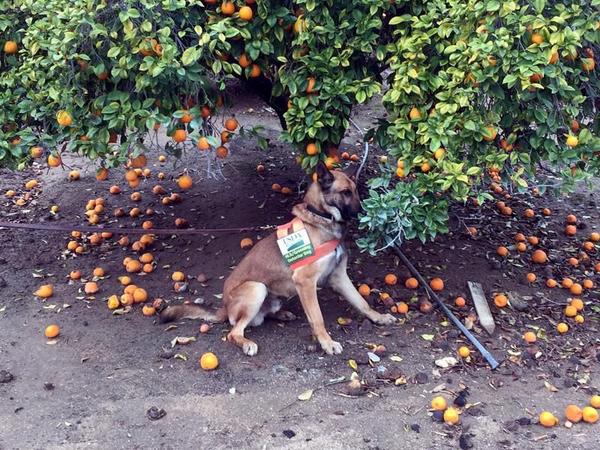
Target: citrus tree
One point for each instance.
(474, 91)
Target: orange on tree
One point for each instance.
(222, 152)
(10, 47)
(255, 71)
(179, 136)
(227, 8)
(231, 124)
(244, 61)
(54, 160)
(246, 13)
(311, 149)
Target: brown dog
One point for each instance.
(328, 204)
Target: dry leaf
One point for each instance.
(182, 340)
(343, 321)
(306, 395)
(395, 358)
(180, 356)
(550, 387)
(428, 337)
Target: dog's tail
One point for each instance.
(192, 311)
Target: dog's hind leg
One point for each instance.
(244, 305)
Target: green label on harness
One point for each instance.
(295, 247)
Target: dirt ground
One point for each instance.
(93, 386)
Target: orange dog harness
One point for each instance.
(296, 247)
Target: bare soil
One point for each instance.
(93, 386)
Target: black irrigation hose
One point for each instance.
(484, 352)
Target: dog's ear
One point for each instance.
(324, 176)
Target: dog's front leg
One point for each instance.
(307, 291)
(341, 283)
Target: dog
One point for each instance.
(254, 289)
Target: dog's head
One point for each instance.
(338, 190)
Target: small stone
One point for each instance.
(464, 441)
(415, 427)
(421, 378)
(49, 386)
(289, 434)
(6, 376)
(524, 421)
(155, 413)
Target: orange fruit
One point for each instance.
(519, 237)
(124, 280)
(98, 272)
(54, 160)
(63, 118)
(310, 86)
(411, 283)
(566, 283)
(75, 275)
(402, 307)
(178, 276)
(115, 190)
(589, 246)
(91, 287)
(140, 295)
(589, 414)
(146, 258)
(570, 230)
(530, 337)
(576, 289)
(364, 290)
(500, 300)
(203, 143)
(537, 38)
(113, 302)
(529, 213)
(209, 361)
(390, 279)
(539, 257)
(185, 182)
(148, 310)
(437, 284)
(464, 352)
(439, 403)
(460, 302)
(595, 401)
(10, 47)
(588, 284)
(311, 149)
(547, 212)
(133, 266)
(531, 277)
(126, 300)
(44, 291)
(414, 113)
(231, 124)
(562, 328)
(551, 283)
(135, 196)
(52, 331)
(222, 152)
(579, 319)
(521, 247)
(573, 413)
(246, 243)
(571, 219)
(547, 419)
(595, 237)
(179, 136)
(227, 8)
(246, 13)
(502, 251)
(451, 416)
(570, 311)
(255, 71)
(244, 61)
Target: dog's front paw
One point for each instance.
(384, 319)
(250, 348)
(331, 347)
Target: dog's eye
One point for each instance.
(347, 192)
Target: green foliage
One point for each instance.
(495, 85)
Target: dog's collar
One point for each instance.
(323, 214)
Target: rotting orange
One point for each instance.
(246, 243)
(148, 310)
(140, 295)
